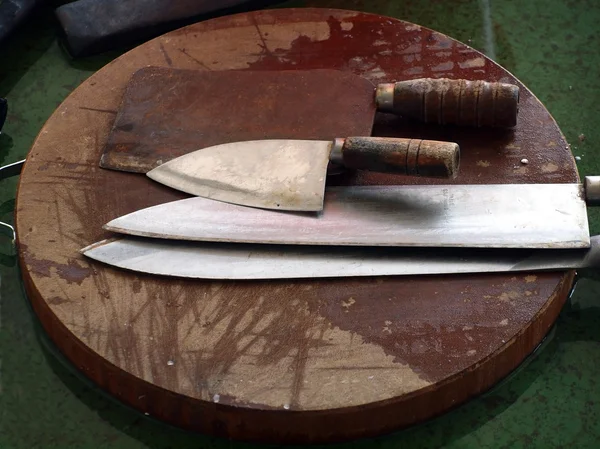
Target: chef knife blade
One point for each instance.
(243, 261)
(290, 174)
(493, 216)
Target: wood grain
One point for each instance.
(309, 361)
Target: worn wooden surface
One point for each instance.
(414, 157)
(281, 361)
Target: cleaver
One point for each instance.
(483, 216)
(290, 174)
(166, 113)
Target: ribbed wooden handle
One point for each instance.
(403, 156)
(459, 102)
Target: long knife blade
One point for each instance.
(491, 216)
(242, 261)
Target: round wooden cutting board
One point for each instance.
(302, 361)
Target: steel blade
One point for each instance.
(275, 174)
(495, 216)
(243, 261)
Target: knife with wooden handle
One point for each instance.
(290, 174)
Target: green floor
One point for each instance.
(553, 401)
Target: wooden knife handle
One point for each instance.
(402, 156)
(458, 102)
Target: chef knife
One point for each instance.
(243, 261)
(289, 174)
(492, 216)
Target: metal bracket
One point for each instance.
(8, 171)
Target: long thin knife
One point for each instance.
(489, 216)
(241, 261)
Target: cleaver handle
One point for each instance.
(413, 157)
(446, 101)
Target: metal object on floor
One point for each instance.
(7, 230)
(8, 171)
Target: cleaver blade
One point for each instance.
(488, 216)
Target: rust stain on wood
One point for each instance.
(72, 272)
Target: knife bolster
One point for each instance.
(384, 97)
(411, 157)
(335, 156)
(592, 190)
